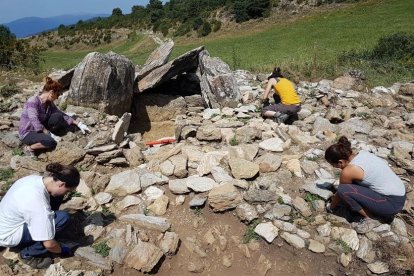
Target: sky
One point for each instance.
(15, 9)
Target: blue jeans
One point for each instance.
(31, 248)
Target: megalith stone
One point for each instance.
(104, 82)
(218, 85)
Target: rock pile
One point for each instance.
(273, 176)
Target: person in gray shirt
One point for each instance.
(367, 185)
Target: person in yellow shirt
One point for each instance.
(287, 101)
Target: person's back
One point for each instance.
(378, 176)
(286, 91)
(24, 202)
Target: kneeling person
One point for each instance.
(287, 101)
(26, 218)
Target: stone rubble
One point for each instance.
(228, 159)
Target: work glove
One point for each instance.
(65, 251)
(83, 128)
(56, 138)
(265, 102)
(329, 209)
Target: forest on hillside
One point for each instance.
(179, 17)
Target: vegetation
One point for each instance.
(233, 141)
(309, 197)
(345, 247)
(9, 90)
(311, 47)
(249, 233)
(18, 151)
(6, 175)
(198, 211)
(16, 53)
(102, 248)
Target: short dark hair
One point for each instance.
(65, 173)
(340, 151)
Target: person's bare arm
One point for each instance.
(52, 246)
(269, 86)
(351, 173)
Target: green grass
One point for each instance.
(345, 247)
(249, 233)
(309, 197)
(233, 141)
(308, 47)
(6, 175)
(102, 248)
(137, 49)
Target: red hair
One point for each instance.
(52, 85)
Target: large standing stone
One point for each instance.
(156, 59)
(184, 63)
(218, 85)
(104, 82)
(144, 256)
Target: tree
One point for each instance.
(7, 44)
(117, 12)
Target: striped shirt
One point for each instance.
(36, 115)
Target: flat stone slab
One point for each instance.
(93, 258)
(148, 222)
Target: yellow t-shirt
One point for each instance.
(286, 91)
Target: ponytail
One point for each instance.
(52, 85)
(276, 73)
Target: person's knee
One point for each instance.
(62, 219)
(342, 189)
(49, 143)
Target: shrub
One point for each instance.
(249, 233)
(205, 29)
(9, 90)
(102, 248)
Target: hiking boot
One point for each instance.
(365, 225)
(36, 262)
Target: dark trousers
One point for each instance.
(31, 248)
(358, 197)
(56, 124)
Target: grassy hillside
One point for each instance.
(308, 46)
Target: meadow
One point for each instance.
(309, 46)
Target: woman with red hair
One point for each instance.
(42, 122)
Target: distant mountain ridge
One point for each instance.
(27, 26)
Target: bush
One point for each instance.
(182, 30)
(9, 90)
(205, 29)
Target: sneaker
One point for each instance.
(282, 118)
(29, 152)
(365, 225)
(36, 262)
